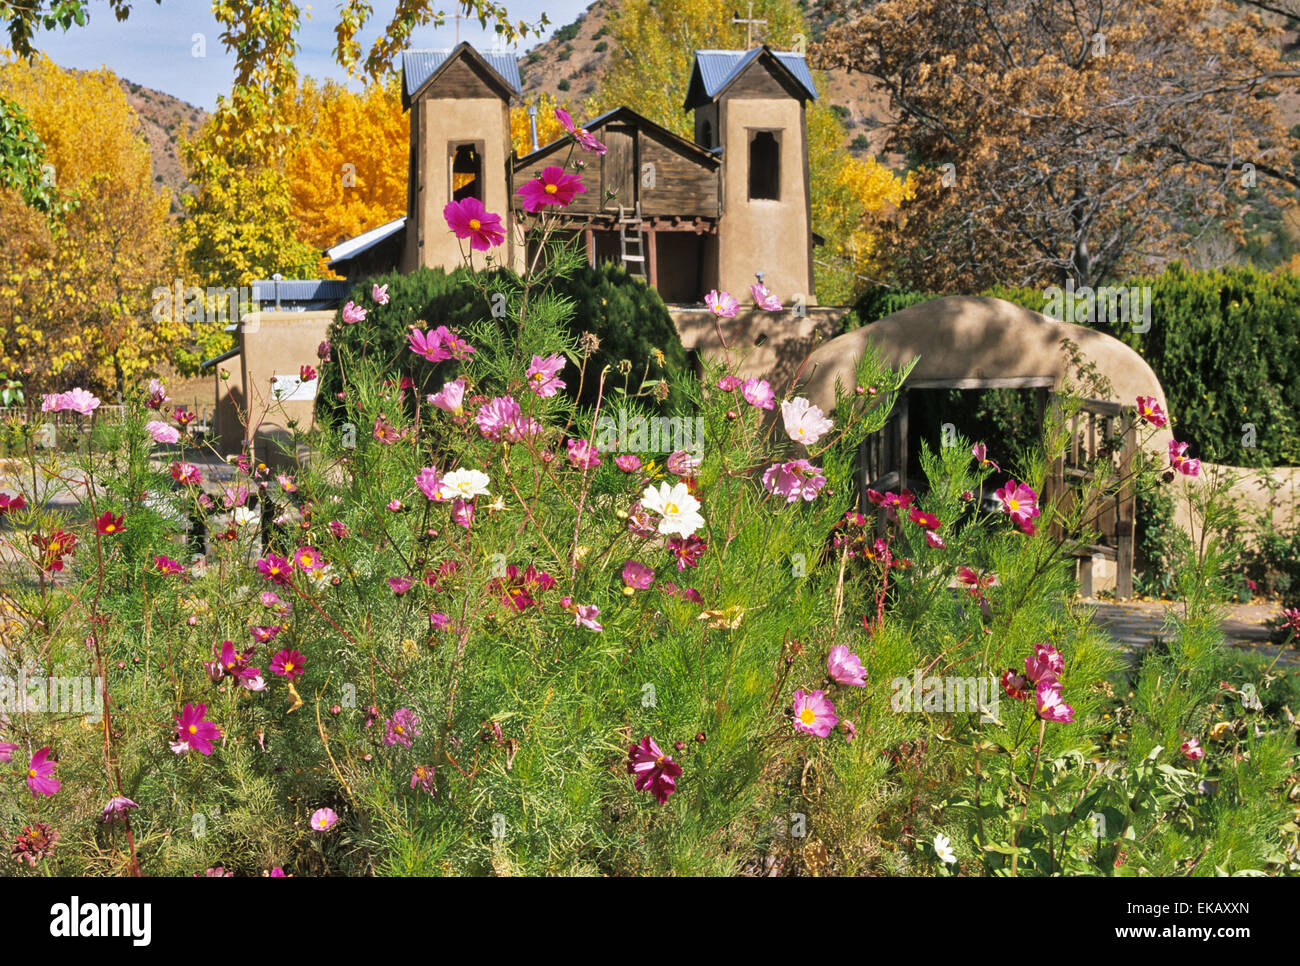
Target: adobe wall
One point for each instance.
(278, 344)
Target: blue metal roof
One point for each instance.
(419, 65)
(717, 68)
(300, 293)
(367, 240)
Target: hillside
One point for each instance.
(163, 119)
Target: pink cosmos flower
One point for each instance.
(17, 502)
(323, 351)
(7, 749)
(353, 313)
(758, 392)
(927, 521)
(687, 551)
(157, 397)
(1051, 704)
(275, 568)
(402, 727)
(497, 419)
(627, 463)
(306, 373)
(168, 566)
(586, 615)
(794, 480)
(74, 400)
(161, 432)
(544, 375)
(385, 432)
(814, 713)
(288, 664)
(1150, 411)
(394, 505)
(308, 559)
(1180, 462)
(462, 513)
(722, 304)
(637, 576)
(193, 733)
(730, 383)
(39, 770)
(451, 398)
(584, 138)
(1292, 618)
(337, 529)
(804, 422)
(764, 299)
(652, 770)
(117, 807)
(1045, 665)
(1192, 749)
(469, 219)
(981, 453)
(934, 540)
(845, 667)
(265, 633)
(1020, 503)
(429, 483)
(400, 585)
(323, 819)
(582, 454)
(551, 188)
(286, 483)
(1016, 685)
(423, 776)
(379, 293)
(428, 345)
(683, 464)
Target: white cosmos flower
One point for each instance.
(676, 506)
(464, 485)
(804, 422)
(242, 516)
(943, 849)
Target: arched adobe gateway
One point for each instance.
(966, 342)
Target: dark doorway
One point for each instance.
(466, 173)
(764, 166)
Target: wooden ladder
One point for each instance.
(629, 237)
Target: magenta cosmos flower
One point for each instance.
(1020, 503)
(353, 313)
(118, 806)
(323, 819)
(168, 566)
(730, 383)
(651, 770)
(1180, 462)
(552, 187)
(429, 483)
(1016, 685)
(927, 521)
(544, 375)
(1150, 411)
(275, 568)
(1051, 704)
(39, 772)
(402, 727)
(451, 398)
(722, 304)
(814, 713)
(844, 667)
(795, 480)
(1045, 665)
(288, 664)
(265, 634)
(308, 559)
(469, 219)
(763, 298)
(687, 551)
(584, 137)
(637, 576)
(193, 733)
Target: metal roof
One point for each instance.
(419, 65)
(363, 242)
(626, 114)
(718, 68)
(301, 293)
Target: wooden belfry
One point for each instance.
(686, 214)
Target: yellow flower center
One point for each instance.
(552, 189)
(807, 716)
(475, 224)
(288, 666)
(193, 729)
(398, 729)
(1013, 504)
(671, 508)
(305, 560)
(31, 773)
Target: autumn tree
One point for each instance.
(1057, 139)
(77, 281)
(548, 128)
(850, 197)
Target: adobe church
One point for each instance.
(718, 211)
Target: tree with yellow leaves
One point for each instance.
(548, 128)
(77, 285)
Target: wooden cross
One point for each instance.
(749, 22)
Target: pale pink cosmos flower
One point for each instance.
(627, 463)
(161, 432)
(764, 299)
(353, 313)
(804, 422)
(683, 464)
(585, 139)
(795, 480)
(758, 392)
(1181, 463)
(497, 418)
(935, 541)
(981, 453)
(1192, 749)
(379, 293)
(722, 304)
(544, 375)
(1051, 704)
(582, 454)
(730, 383)
(814, 713)
(451, 398)
(845, 667)
(429, 483)
(74, 400)
(323, 819)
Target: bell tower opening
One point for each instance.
(764, 166)
(466, 172)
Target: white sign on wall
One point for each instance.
(293, 389)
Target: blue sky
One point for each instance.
(154, 46)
